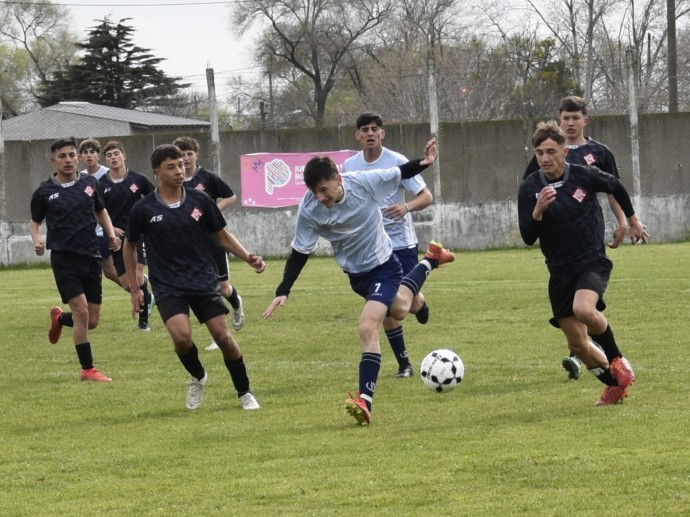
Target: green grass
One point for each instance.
(516, 438)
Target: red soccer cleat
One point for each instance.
(55, 327)
(94, 375)
(437, 252)
(358, 409)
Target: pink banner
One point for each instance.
(276, 179)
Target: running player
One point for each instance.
(583, 150)
(202, 179)
(90, 156)
(121, 189)
(71, 203)
(397, 221)
(344, 210)
(558, 206)
(176, 223)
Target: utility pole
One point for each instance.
(215, 136)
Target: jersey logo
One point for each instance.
(580, 194)
(89, 191)
(196, 214)
(200, 187)
(107, 190)
(53, 196)
(134, 187)
(590, 159)
(156, 219)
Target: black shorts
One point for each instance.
(220, 256)
(104, 246)
(119, 260)
(77, 274)
(562, 288)
(204, 307)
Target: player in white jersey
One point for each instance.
(344, 210)
(397, 221)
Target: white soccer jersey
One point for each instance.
(401, 232)
(354, 225)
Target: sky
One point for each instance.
(189, 34)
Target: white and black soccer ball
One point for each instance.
(442, 370)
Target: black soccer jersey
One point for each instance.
(591, 153)
(69, 211)
(177, 242)
(120, 195)
(211, 183)
(571, 232)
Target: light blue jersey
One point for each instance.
(354, 225)
(401, 232)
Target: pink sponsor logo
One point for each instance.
(276, 179)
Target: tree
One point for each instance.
(113, 71)
(35, 40)
(309, 44)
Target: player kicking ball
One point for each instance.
(344, 210)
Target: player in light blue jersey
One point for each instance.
(397, 221)
(344, 210)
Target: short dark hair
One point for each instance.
(367, 118)
(546, 130)
(89, 143)
(573, 103)
(63, 142)
(317, 169)
(164, 152)
(187, 143)
(113, 144)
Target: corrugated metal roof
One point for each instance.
(142, 118)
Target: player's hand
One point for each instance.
(396, 212)
(638, 232)
(40, 247)
(137, 302)
(544, 199)
(114, 243)
(257, 263)
(278, 301)
(618, 236)
(430, 152)
(119, 232)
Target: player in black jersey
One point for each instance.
(122, 188)
(202, 179)
(71, 203)
(558, 206)
(582, 150)
(176, 223)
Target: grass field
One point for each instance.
(516, 438)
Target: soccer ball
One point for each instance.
(442, 370)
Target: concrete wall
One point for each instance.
(481, 167)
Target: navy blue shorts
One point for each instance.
(380, 284)
(408, 258)
(119, 260)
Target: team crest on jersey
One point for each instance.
(196, 214)
(580, 194)
(200, 187)
(134, 187)
(590, 159)
(89, 191)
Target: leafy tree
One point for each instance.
(35, 40)
(113, 71)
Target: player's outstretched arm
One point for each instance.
(430, 152)
(231, 244)
(39, 243)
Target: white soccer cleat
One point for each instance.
(249, 402)
(195, 392)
